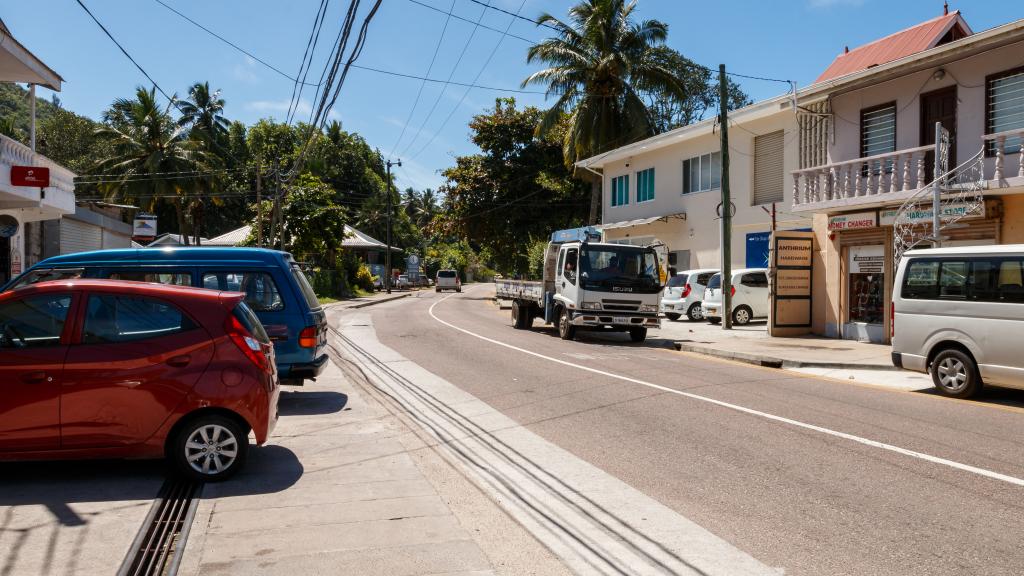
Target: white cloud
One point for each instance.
(302, 110)
(246, 71)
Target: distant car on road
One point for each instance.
(750, 298)
(447, 280)
(403, 282)
(684, 292)
(275, 289)
(958, 314)
(95, 368)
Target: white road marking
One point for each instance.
(858, 439)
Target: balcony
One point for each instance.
(891, 178)
(59, 198)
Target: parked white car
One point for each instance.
(684, 292)
(750, 299)
(447, 280)
(958, 314)
(403, 282)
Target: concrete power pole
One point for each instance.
(387, 257)
(723, 106)
(259, 206)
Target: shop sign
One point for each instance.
(857, 221)
(924, 214)
(144, 227)
(867, 259)
(33, 176)
(792, 252)
(792, 265)
(793, 282)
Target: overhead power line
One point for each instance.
(514, 15)
(307, 61)
(484, 26)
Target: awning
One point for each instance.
(17, 64)
(640, 221)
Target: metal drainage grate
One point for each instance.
(158, 547)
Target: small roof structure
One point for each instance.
(17, 64)
(354, 239)
(168, 239)
(232, 238)
(918, 38)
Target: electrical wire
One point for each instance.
(484, 26)
(419, 93)
(466, 92)
(444, 88)
(314, 39)
(530, 20)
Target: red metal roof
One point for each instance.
(895, 46)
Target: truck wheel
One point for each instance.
(638, 334)
(520, 316)
(566, 331)
(955, 374)
(671, 316)
(695, 312)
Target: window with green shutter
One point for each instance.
(645, 185)
(620, 190)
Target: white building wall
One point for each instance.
(700, 232)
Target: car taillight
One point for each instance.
(892, 320)
(732, 290)
(307, 338)
(247, 343)
(686, 290)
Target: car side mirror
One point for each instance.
(584, 275)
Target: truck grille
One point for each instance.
(621, 305)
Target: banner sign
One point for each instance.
(867, 259)
(923, 215)
(34, 176)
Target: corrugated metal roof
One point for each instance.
(895, 46)
(353, 239)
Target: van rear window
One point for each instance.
(446, 274)
(677, 281)
(48, 274)
(305, 288)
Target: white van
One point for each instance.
(750, 299)
(958, 314)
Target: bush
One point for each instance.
(364, 278)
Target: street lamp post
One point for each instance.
(387, 257)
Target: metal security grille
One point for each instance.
(1004, 100)
(877, 130)
(768, 168)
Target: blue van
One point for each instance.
(275, 288)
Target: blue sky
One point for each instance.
(791, 39)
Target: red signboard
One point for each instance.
(33, 176)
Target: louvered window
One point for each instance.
(1004, 97)
(878, 134)
(702, 173)
(620, 190)
(768, 168)
(645, 185)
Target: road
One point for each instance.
(806, 474)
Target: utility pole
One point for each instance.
(387, 257)
(280, 215)
(723, 105)
(259, 205)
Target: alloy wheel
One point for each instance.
(952, 374)
(211, 449)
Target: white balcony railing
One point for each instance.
(1000, 139)
(902, 170)
(14, 153)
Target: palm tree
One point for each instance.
(152, 159)
(600, 65)
(203, 113)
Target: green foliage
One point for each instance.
(535, 257)
(363, 278)
(517, 188)
(315, 223)
(701, 92)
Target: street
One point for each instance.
(812, 476)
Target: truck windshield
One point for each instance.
(626, 269)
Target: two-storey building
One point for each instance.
(668, 187)
(866, 155)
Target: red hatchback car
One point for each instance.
(104, 369)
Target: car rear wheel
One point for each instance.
(695, 312)
(741, 316)
(209, 448)
(672, 316)
(955, 374)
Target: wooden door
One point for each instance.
(938, 106)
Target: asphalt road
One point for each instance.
(809, 474)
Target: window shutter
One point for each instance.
(768, 168)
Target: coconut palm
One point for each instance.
(203, 113)
(600, 65)
(152, 160)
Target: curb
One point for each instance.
(342, 305)
(773, 362)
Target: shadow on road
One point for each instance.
(605, 337)
(989, 395)
(303, 403)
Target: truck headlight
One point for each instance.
(648, 307)
(591, 306)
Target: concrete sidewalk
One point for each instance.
(752, 344)
(338, 492)
(364, 301)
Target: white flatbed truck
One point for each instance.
(591, 285)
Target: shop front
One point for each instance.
(862, 265)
